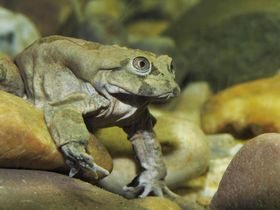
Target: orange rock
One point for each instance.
(157, 203)
(245, 110)
(26, 143)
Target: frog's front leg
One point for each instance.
(66, 125)
(148, 153)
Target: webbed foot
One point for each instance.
(77, 158)
(141, 186)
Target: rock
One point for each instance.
(251, 180)
(185, 152)
(190, 102)
(26, 143)
(16, 32)
(245, 110)
(234, 41)
(102, 21)
(155, 44)
(41, 190)
(157, 203)
(39, 12)
(223, 147)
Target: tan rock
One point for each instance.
(245, 110)
(190, 102)
(157, 203)
(41, 190)
(185, 151)
(223, 148)
(26, 143)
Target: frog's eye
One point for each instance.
(141, 66)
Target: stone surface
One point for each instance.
(251, 180)
(39, 12)
(41, 190)
(190, 102)
(223, 147)
(245, 110)
(16, 32)
(157, 203)
(185, 151)
(26, 143)
(234, 41)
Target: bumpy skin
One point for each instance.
(82, 86)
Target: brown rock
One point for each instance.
(245, 110)
(157, 203)
(26, 143)
(41, 190)
(251, 181)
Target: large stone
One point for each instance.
(245, 110)
(185, 151)
(16, 32)
(41, 190)
(223, 147)
(39, 12)
(234, 41)
(157, 203)
(26, 143)
(251, 181)
(190, 102)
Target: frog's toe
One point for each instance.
(141, 189)
(77, 158)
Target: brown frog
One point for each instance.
(82, 86)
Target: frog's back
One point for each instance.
(46, 61)
(46, 55)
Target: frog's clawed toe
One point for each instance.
(77, 159)
(142, 189)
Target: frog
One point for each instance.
(82, 86)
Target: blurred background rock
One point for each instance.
(223, 42)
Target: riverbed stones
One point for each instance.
(26, 143)
(184, 145)
(245, 110)
(251, 181)
(42, 190)
(233, 42)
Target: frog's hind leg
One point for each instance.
(10, 78)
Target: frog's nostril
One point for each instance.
(176, 91)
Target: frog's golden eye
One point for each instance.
(141, 66)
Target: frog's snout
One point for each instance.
(176, 91)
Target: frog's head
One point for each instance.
(138, 73)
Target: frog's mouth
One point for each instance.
(123, 93)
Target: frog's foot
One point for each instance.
(141, 187)
(77, 158)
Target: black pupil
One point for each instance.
(142, 64)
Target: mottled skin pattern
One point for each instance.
(82, 86)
